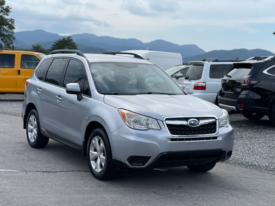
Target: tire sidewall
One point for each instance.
(108, 155)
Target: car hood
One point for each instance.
(160, 106)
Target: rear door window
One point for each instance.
(218, 71)
(76, 74)
(29, 61)
(42, 69)
(194, 72)
(56, 71)
(7, 60)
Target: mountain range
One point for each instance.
(90, 43)
(87, 42)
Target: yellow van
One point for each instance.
(15, 68)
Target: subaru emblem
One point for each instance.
(193, 123)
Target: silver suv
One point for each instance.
(122, 112)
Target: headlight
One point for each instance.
(224, 119)
(137, 121)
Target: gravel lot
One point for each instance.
(254, 140)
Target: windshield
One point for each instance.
(41, 56)
(132, 78)
(173, 70)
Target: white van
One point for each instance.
(164, 60)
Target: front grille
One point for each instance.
(181, 129)
(193, 139)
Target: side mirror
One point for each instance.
(178, 76)
(73, 88)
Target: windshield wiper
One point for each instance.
(228, 75)
(160, 93)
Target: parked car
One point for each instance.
(15, 68)
(249, 87)
(203, 79)
(165, 60)
(178, 73)
(104, 106)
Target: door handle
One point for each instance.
(58, 98)
(18, 72)
(39, 90)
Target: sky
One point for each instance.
(210, 24)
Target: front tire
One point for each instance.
(34, 136)
(202, 168)
(253, 115)
(100, 156)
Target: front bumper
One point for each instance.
(156, 147)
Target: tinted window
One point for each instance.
(76, 74)
(7, 60)
(271, 71)
(42, 69)
(218, 71)
(55, 71)
(181, 72)
(194, 72)
(238, 73)
(132, 78)
(29, 61)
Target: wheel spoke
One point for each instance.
(93, 155)
(30, 128)
(98, 165)
(102, 160)
(97, 144)
(101, 147)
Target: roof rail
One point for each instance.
(216, 60)
(127, 53)
(68, 51)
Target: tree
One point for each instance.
(38, 48)
(6, 25)
(65, 43)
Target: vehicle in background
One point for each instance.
(165, 60)
(203, 78)
(15, 68)
(178, 73)
(249, 87)
(110, 108)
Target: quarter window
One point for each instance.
(271, 71)
(182, 72)
(29, 61)
(7, 60)
(55, 72)
(42, 69)
(76, 74)
(218, 71)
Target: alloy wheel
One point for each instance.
(32, 129)
(97, 154)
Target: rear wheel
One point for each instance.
(202, 168)
(100, 156)
(34, 136)
(252, 115)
